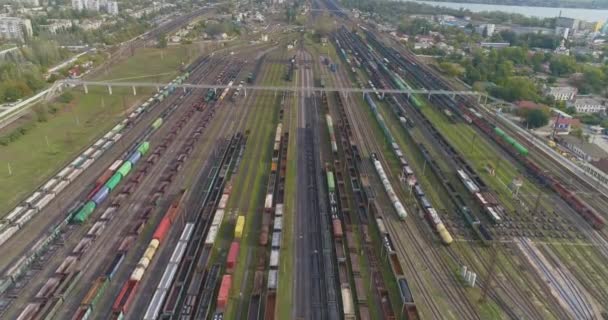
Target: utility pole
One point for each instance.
(537, 203)
(490, 275)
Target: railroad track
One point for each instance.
(590, 274)
(161, 165)
(465, 310)
(69, 235)
(311, 290)
(513, 291)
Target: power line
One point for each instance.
(76, 82)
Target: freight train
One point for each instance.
(104, 190)
(332, 136)
(430, 213)
(399, 208)
(20, 215)
(430, 80)
(128, 291)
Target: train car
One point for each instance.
(331, 186)
(399, 208)
(233, 254)
(468, 183)
(224, 293)
(240, 225)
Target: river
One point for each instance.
(591, 15)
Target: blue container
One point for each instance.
(135, 156)
(115, 265)
(100, 195)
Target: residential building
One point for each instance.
(562, 93)
(92, 5)
(15, 28)
(563, 125)
(112, 7)
(31, 3)
(57, 25)
(588, 105)
(78, 5)
(91, 24)
(486, 30)
(496, 45)
(584, 150)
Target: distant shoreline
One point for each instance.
(589, 15)
(541, 4)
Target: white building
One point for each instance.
(562, 93)
(57, 25)
(31, 3)
(91, 24)
(489, 29)
(95, 5)
(15, 28)
(112, 7)
(588, 105)
(92, 5)
(78, 5)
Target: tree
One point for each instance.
(451, 69)
(416, 26)
(161, 41)
(561, 65)
(577, 132)
(66, 97)
(536, 118)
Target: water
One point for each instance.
(591, 15)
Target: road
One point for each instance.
(14, 112)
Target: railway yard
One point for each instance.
(308, 203)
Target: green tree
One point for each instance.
(161, 41)
(561, 65)
(416, 26)
(536, 118)
(594, 78)
(66, 97)
(451, 69)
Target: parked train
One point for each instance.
(430, 213)
(25, 211)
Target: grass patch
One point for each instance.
(49, 145)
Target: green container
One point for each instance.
(510, 140)
(521, 149)
(160, 98)
(157, 123)
(125, 168)
(113, 181)
(100, 291)
(499, 132)
(330, 181)
(144, 147)
(83, 214)
(415, 101)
